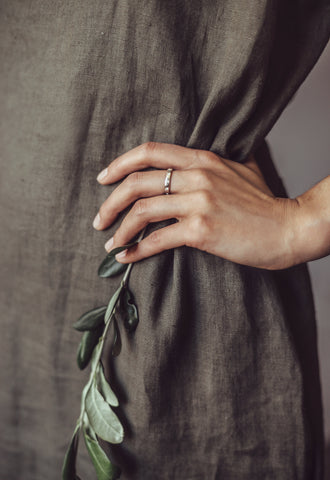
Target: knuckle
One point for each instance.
(204, 156)
(148, 148)
(154, 237)
(213, 161)
(199, 229)
(198, 156)
(140, 207)
(203, 178)
(204, 199)
(212, 157)
(134, 179)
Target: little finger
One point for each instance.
(159, 240)
(149, 210)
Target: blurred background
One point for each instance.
(300, 146)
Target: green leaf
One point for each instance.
(131, 317)
(102, 419)
(90, 320)
(110, 267)
(104, 387)
(88, 342)
(95, 354)
(112, 304)
(116, 250)
(105, 470)
(69, 463)
(116, 346)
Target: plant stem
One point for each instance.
(128, 271)
(100, 345)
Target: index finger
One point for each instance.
(153, 154)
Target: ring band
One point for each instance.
(167, 183)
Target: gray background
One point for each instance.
(300, 145)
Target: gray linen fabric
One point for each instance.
(220, 379)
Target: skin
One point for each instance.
(222, 207)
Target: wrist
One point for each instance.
(310, 224)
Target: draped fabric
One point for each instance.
(220, 379)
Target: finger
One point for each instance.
(157, 155)
(149, 210)
(148, 184)
(162, 239)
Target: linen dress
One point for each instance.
(220, 380)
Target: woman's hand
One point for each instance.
(222, 207)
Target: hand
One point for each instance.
(222, 207)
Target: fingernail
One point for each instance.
(108, 245)
(102, 174)
(97, 221)
(121, 254)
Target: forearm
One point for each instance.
(311, 227)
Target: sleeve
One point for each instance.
(292, 36)
(301, 33)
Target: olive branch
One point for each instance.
(97, 418)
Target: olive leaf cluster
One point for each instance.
(97, 418)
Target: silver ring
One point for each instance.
(167, 183)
